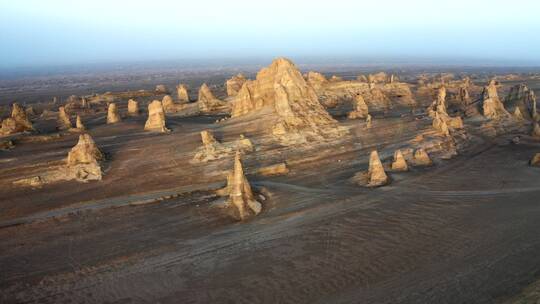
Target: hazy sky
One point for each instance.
(53, 32)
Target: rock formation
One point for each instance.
(524, 99)
(316, 80)
(293, 102)
(277, 169)
(133, 107)
(79, 125)
(421, 158)
(161, 89)
(156, 118)
(518, 115)
(63, 119)
(492, 106)
(536, 130)
(18, 122)
(241, 197)
(207, 101)
(442, 122)
(380, 77)
(213, 149)
(234, 84)
(368, 122)
(112, 114)
(399, 163)
(361, 108)
(169, 106)
(183, 94)
(535, 161)
(375, 176)
(82, 161)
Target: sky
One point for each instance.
(64, 32)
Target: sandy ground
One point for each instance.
(462, 231)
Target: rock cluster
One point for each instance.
(524, 99)
(112, 114)
(361, 108)
(240, 195)
(82, 162)
(182, 92)
(492, 106)
(133, 107)
(156, 118)
(207, 101)
(234, 84)
(293, 102)
(18, 122)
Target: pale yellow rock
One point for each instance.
(183, 93)
(213, 149)
(277, 169)
(368, 122)
(361, 108)
(421, 158)
(536, 130)
(167, 103)
(18, 122)
(112, 114)
(133, 107)
(535, 161)
(161, 89)
(156, 118)
(376, 175)
(518, 115)
(442, 122)
(399, 163)
(82, 161)
(78, 124)
(63, 119)
(492, 106)
(240, 194)
(234, 84)
(207, 101)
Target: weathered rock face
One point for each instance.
(112, 114)
(380, 77)
(241, 197)
(375, 176)
(535, 161)
(442, 122)
(18, 122)
(207, 101)
(294, 103)
(377, 99)
(361, 108)
(524, 99)
(133, 107)
(212, 149)
(79, 125)
(82, 161)
(316, 80)
(421, 158)
(234, 84)
(156, 118)
(183, 93)
(518, 115)
(399, 163)
(161, 89)
(169, 106)
(63, 119)
(492, 106)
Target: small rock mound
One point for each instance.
(161, 89)
(399, 164)
(208, 102)
(156, 118)
(112, 114)
(182, 92)
(421, 158)
(82, 161)
(241, 197)
(361, 110)
(375, 176)
(133, 107)
(234, 84)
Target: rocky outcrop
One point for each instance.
(421, 158)
(380, 77)
(183, 93)
(299, 116)
(133, 107)
(213, 149)
(492, 106)
(170, 106)
(112, 114)
(79, 125)
(208, 102)
(375, 176)
(536, 130)
(518, 115)
(161, 89)
(234, 84)
(442, 122)
(368, 121)
(535, 161)
(522, 98)
(399, 164)
(18, 122)
(316, 80)
(63, 119)
(361, 108)
(82, 162)
(240, 195)
(156, 118)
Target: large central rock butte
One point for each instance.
(292, 100)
